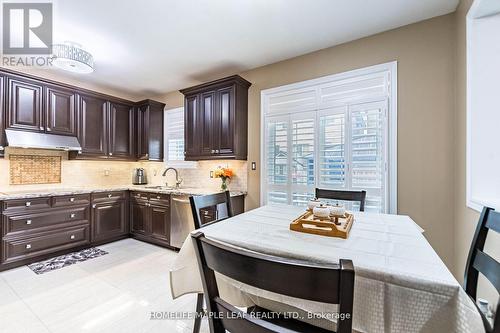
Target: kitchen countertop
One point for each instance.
(25, 194)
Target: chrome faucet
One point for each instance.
(178, 180)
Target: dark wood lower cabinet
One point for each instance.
(150, 218)
(39, 228)
(109, 220)
(160, 223)
(139, 212)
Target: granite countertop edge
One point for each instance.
(55, 192)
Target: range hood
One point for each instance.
(24, 139)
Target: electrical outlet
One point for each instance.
(211, 174)
(254, 166)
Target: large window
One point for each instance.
(334, 134)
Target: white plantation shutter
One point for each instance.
(302, 159)
(368, 152)
(174, 138)
(277, 159)
(333, 135)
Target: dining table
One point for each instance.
(401, 284)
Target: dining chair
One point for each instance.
(333, 284)
(480, 262)
(219, 200)
(343, 195)
(198, 204)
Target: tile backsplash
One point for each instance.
(34, 169)
(79, 173)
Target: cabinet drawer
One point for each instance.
(109, 196)
(139, 195)
(71, 200)
(26, 204)
(43, 243)
(158, 198)
(31, 222)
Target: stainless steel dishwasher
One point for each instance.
(181, 220)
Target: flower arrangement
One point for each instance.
(224, 174)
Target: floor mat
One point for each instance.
(66, 260)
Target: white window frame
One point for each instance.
(175, 164)
(390, 68)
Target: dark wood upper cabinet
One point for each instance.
(191, 137)
(216, 119)
(121, 131)
(207, 122)
(24, 104)
(106, 126)
(92, 126)
(3, 140)
(150, 125)
(60, 110)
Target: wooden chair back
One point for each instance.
(480, 262)
(204, 201)
(344, 196)
(332, 284)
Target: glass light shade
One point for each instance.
(72, 58)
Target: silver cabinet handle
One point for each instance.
(80, 152)
(72, 215)
(217, 151)
(71, 199)
(28, 222)
(28, 246)
(94, 206)
(212, 151)
(110, 195)
(110, 154)
(48, 129)
(72, 237)
(1, 148)
(158, 197)
(42, 128)
(28, 203)
(205, 212)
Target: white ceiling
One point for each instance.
(156, 46)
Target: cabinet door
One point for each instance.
(206, 124)
(160, 223)
(121, 131)
(109, 220)
(139, 214)
(225, 119)
(24, 104)
(143, 132)
(3, 140)
(92, 126)
(191, 135)
(155, 133)
(60, 111)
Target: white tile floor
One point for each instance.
(113, 293)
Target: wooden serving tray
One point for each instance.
(310, 224)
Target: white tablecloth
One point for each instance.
(401, 284)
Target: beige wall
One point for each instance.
(425, 53)
(466, 218)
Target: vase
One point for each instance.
(223, 186)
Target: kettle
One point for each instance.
(139, 177)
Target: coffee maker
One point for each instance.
(139, 177)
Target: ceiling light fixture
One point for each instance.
(71, 57)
